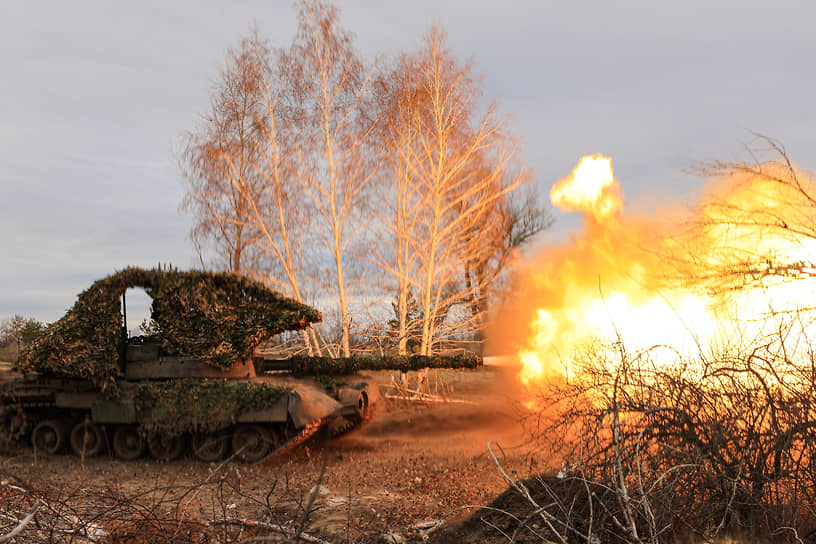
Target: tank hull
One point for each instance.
(59, 414)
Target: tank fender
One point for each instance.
(275, 413)
(308, 405)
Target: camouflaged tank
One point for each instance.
(196, 386)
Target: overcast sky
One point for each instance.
(95, 95)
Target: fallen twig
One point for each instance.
(271, 526)
(20, 526)
(425, 397)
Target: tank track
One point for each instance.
(22, 407)
(294, 441)
(343, 425)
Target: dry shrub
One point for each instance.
(715, 445)
(215, 510)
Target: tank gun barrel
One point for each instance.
(328, 366)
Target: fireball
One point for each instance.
(633, 280)
(590, 188)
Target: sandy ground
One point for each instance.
(413, 467)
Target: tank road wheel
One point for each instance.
(364, 411)
(165, 448)
(48, 437)
(87, 439)
(210, 447)
(251, 443)
(128, 443)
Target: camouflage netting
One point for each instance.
(218, 317)
(326, 366)
(190, 405)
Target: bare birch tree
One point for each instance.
(397, 253)
(326, 94)
(218, 157)
(493, 218)
(280, 216)
(463, 167)
(273, 209)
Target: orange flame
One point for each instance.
(590, 188)
(609, 284)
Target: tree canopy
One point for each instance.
(355, 183)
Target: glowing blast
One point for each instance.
(612, 283)
(533, 368)
(590, 188)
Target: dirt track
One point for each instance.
(414, 464)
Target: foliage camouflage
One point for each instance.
(215, 316)
(326, 366)
(189, 405)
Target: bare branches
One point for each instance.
(217, 158)
(215, 510)
(719, 444)
(327, 92)
(448, 215)
(757, 228)
(311, 166)
(21, 524)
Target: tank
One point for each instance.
(196, 385)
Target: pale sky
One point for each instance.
(95, 95)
